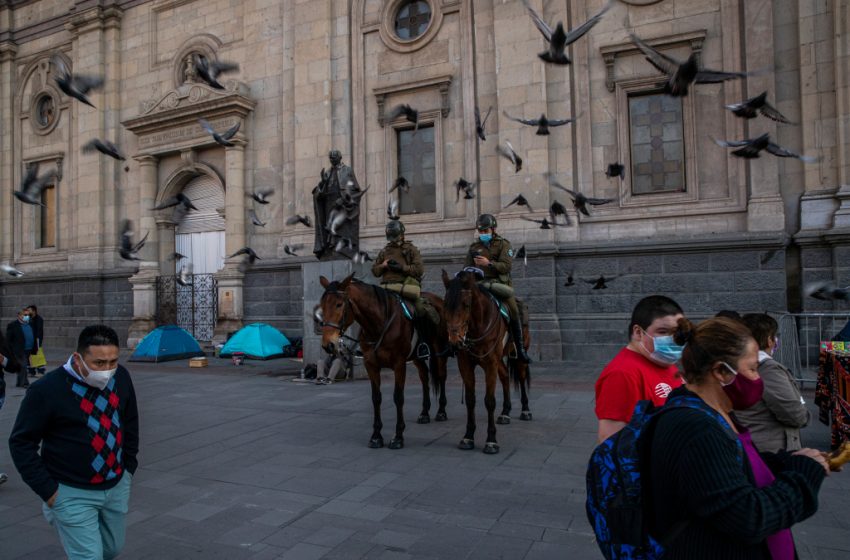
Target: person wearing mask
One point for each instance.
(775, 420)
(710, 492)
(38, 365)
(643, 370)
(21, 340)
(75, 442)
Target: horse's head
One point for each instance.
(334, 312)
(458, 306)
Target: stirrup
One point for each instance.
(422, 351)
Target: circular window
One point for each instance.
(412, 19)
(45, 110)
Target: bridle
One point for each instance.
(346, 307)
(469, 343)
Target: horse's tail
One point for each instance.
(433, 372)
(520, 373)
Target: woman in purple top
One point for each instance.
(711, 493)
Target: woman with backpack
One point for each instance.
(711, 493)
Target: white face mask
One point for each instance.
(97, 378)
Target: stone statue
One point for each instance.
(336, 203)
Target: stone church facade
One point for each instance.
(687, 220)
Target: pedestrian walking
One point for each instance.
(21, 340)
(84, 419)
(37, 363)
(643, 370)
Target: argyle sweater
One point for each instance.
(88, 437)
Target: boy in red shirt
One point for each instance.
(643, 370)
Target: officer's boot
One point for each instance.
(423, 328)
(516, 334)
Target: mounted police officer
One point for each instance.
(494, 256)
(399, 266)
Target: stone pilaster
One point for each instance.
(166, 229)
(8, 50)
(148, 166)
(144, 302)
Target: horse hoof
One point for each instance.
(491, 448)
(423, 419)
(525, 416)
(376, 443)
(441, 417)
(466, 443)
(503, 419)
(396, 443)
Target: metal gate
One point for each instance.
(193, 307)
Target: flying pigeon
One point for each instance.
(570, 282)
(11, 270)
(827, 291)
(616, 170)
(127, 249)
(184, 277)
(254, 219)
(103, 146)
(544, 223)
(750, 148)
(600, 283)
(580, 201)
(509, 153)
(361, 257)
(392, 209)
(467, 188)
(521, 254)
(32, 185)
(410, 114)
(262, 196)
(221, 139)
(479, 124)
(291, 249)
(400, 183)
(209, 71)
(179, 199)
(75, 85)
(557, 209)
(299, 219)
(520, 200)
(557, 38)
(251, 255)
(175, 256)
(541, 123)
(750, 109)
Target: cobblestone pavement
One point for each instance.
(236, 463)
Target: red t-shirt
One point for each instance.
(628, 378)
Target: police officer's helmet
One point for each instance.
(394, 230)
(485, 221)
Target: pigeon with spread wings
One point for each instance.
(210, 70)
(126, 248)
(508, 153)
(75, 85)
(103, 146)
(410, 115)
(520, 200)
(480, 124)
(752, 147)
(544, 223)
(32, 185)
(542, 123)
(299, 219)
(467, 188)
(580, 201)
(222, 139)
(558, 39)
(751, 108)
(601, 282)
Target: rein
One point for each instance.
(387, 322)
(470, 343)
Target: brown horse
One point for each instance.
(479, 335)
(386, 341)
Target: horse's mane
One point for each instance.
(455, 289)
(379, 293)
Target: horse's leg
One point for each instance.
(424, 416)
(375, 381)
(441, 364)
(524, 372)
(491, 370)
(505, 416)
(467, 373)
(398, 398)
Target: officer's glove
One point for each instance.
(395, 266)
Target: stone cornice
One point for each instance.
(94, 19)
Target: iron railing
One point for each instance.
(193, 307)
(800, 335)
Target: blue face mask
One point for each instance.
(666, 351)
(26, 318)
(485, 237)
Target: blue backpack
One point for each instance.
(615, 496)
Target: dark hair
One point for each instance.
(729, 314)
(762, 326)
(34, 308)
(96, 335)
(716, 340)
(651, 308)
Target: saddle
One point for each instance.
(405, 306)
(503, 311)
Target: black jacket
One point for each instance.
(16, 340)
(13, 365)
(37, 324)
(696, 474)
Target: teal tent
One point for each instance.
(257, 341)
(165, 343)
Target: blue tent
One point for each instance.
(257, 341)
(165, 343)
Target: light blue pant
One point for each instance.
(90, 523)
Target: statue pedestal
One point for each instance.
(313, 290)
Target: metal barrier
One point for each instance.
(800, 335)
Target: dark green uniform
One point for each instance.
(407, 277)
(501, 256)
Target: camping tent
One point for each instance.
(165, 343)
(257, 341)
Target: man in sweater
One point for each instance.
(84, 417)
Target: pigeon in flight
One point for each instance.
(544, 223)
(291, 249)
(580, 201)
(361, 257)
(299, 219)
(570, 281)
(75, 85)
(467, 188)
(392, 209)
(251, 255)
(680, 75)
(751, 108)
(616, 170)
(343, 243)
(179, 199)
(32, 185)
(522, 254)
(752, 147)
(558, 209)
(175, 256)
(520, 200)
(400, 183)
(479, 124)
(209, 71)
(827, 291)
(410, 114)
(600, 283)
(221, 139)
(262, 196)
(127, 249)
(541, 123)
(184, 277)
(11, 270)
(559, 39)
(103, 146)
(509, 153)
(255, 219)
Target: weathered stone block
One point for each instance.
(816, 257)
(685, 263)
